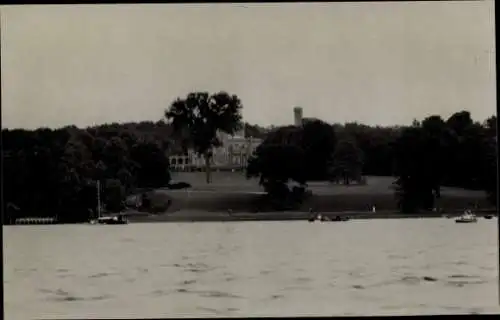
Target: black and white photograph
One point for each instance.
(168, 160)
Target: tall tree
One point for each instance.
(153, 166)
(347, 161)
(198, 118)
(276, 165)
(316, 138)
(415, 181)
(318, 141)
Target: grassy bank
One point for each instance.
(204, 216)
(244, 199)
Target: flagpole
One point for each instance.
(98, 199)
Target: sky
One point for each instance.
(374, 63)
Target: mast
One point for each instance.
(98, 199)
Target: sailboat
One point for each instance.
(118, 219)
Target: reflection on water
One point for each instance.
(251, 269)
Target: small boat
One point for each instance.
(117, 219)
(488, 216)
(120, 219)
(339, 218)
(467, 217)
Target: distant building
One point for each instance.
(297, 112)
(233, 154)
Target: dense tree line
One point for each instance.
(457, 152)
(422, 157)
(55, 172)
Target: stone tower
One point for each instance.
(297, 112)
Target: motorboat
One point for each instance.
(467, 217)
(339, 218)
(323, 218)
(318, 217)
(119, 219)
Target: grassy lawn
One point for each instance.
(231, 190)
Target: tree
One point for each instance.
(437, 145)
(276, 165)
(54, 172)
(318, 141)
(490, 125)
(152, 165)
(113, 195)
(198, 118)
(415, 180)
(347, 162)
(316, 138)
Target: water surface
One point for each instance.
(292, 268)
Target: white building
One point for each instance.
(233, 154)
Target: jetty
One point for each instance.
(35, 220)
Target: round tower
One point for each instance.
(297, 112)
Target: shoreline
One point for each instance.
(186, 217)
(290, 216)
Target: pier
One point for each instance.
(35, 220)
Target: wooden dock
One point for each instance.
(35, 220)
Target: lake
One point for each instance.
(292, 268)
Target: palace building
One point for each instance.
(233, 154)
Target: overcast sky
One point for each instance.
(375, 63)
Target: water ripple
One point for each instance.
(101, 275)
(376, 271)
(143, 270)
(188, 282)
(60, 295)
(209, 293)
(217, 294)
(303, 279)
(159, 293)
(461, 276)
(194, 267)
